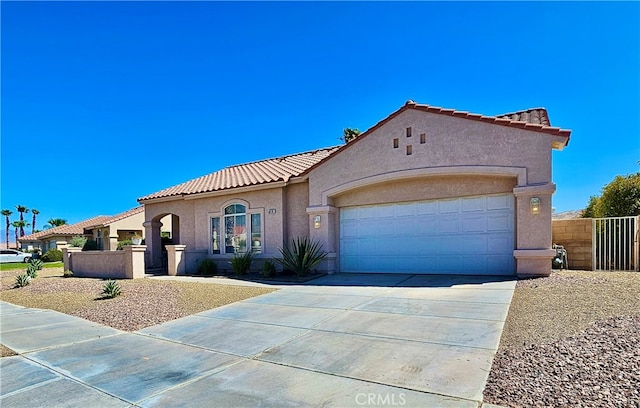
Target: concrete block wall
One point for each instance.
(576, 236)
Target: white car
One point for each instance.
(12, 255)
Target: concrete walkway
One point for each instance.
(341, 340)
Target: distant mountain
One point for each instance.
(567, 215)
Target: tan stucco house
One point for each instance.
(106, 230)
(425, 190)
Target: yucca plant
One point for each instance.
(37, 263)
(32, 271)
(301, 255)
(241, 264)
(111, 289)
(22, 280)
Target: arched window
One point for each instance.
(239, 229)
(235, 229)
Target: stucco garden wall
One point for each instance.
(576, 236)
(126, 264)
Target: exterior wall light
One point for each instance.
(316, 222)
(534, 205)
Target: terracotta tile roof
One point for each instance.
(249, 174)
(118, 217)
(283, 168)
(532, 119)
(67, 229)
(536, 116)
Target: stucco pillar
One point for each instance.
(67, 262)
(134, 261)
(153, 243)
(323, 229)
(533, 251)
(113, 243)
(175, 258)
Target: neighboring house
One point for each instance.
(426, 190)
(105, 230)
(58, 237)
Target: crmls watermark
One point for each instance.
(373, 399)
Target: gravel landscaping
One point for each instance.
(572, 339)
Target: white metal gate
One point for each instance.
(615, 244)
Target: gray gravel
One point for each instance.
(599, 367)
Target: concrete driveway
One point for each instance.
(344, 340)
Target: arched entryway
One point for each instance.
(163, 229)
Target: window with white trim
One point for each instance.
(236, 231)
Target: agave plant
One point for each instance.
(32, 271)
(111, 289)
(22, 280)
(301, 255)
(37, 263)
(241, 264)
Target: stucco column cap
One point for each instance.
(534, 253)
(177, 247)
(135, 248)
(537, 189)
(321, 209)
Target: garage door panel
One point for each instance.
(498, 244)
(427, 208)
(474, 223)
(404, 225)
(499, 222)
(500, 202)
(477, 204)
(448, 206)
(427, 245)
(474, 244)
(472, 235)
(448, 225)
(349, 228)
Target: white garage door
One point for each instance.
(472, 235)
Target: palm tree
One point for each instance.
(33, 221)
(6, 214)
(22, 210)
(56, 222)
(19, 225)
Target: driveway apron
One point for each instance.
(344, 340)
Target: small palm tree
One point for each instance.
(19, 225)
(6, 214)
(33, 221)
(22, 210)
(56, 222)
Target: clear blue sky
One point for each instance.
(106, 102)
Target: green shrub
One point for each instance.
(67, 274)
(111, 289)
(37, 263)
(122, 244)
(268, 269)
(90, 245)
(301, 256)
(241, 263)
(22, 280)
(207, 267)
(78, 241)
(32, 271)
(52, 255)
